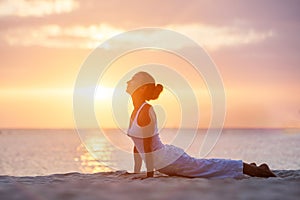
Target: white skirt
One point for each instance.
(172, 160)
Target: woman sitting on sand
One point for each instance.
(169, 159)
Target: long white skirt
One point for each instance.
(188, 166)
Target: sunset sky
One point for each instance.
(255, 45)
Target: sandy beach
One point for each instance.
(44, 165)
(124, 185)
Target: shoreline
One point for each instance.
(124, 185)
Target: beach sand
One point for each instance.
(124, 185)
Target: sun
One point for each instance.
(104, 93)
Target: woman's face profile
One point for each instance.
(139, 82)
(130, 86)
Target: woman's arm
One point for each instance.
(148, 156)
(137, 160)
(143, 120)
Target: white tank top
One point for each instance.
(143, 131)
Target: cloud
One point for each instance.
(59, 37)
(212, 37)
(37, 8)
(216, 37)
(135, 13)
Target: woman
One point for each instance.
(169, 159)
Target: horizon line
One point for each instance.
(111, 128)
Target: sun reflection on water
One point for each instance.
(98, 160)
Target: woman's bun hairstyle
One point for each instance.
(156, 91)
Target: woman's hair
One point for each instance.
(156, 92)
(153, 91)
(144, 79)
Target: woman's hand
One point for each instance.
(142, 176)
(150, 174)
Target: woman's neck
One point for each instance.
(137, 102)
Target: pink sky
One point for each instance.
(255, 45)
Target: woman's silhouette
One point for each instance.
(169, 159)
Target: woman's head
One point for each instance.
(142, 85)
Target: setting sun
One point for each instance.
(104, 93)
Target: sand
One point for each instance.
(124, 185)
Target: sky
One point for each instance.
(255, 45)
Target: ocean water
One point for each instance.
(44, 152)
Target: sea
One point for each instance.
(36, 152)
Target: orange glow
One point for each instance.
(44, 43)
